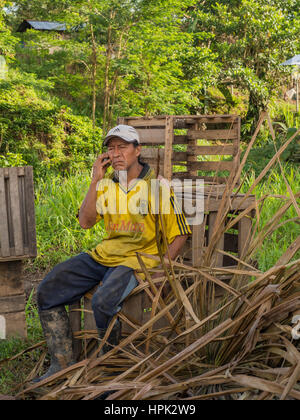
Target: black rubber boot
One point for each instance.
(58, 334)
(113, 339)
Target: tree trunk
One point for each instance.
(106, 80)
(94, 76)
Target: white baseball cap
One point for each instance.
(125, 132)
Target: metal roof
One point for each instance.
(41, 26)
(292, 61)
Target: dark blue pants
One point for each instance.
(70, 280)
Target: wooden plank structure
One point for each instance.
(17, 242)
(178, 147)
(182, 142)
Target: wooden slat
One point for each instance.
(198, 242)
(237, 203)
(30, 210)
(23, 208)
(218, 166)
(75, 322)
(155, 153)
(183, 175)
(192, 158)
(168, 148)
(25, 256)
(4, 237)
(10, 304)
(206, 119)
(212, 134)
(151, 136)
(89, 319)
(212, 166)
(15, 324)
(15, 209)
(11, 278)
(212, 150)
(244, 236)
(237, 143)
(154, 122)
(9, 213)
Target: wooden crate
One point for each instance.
(174, 146)
(17, 214)
(17, 242)
(234, 240)
(12, 298)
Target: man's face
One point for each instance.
(122, 154)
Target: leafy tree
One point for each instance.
(7, 40)
(127, 56)
(251, 38)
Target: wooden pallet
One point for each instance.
(174, 146)
(17, 214)
(17, 242)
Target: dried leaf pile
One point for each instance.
(243, 345)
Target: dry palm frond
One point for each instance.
(241, 347)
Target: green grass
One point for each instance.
(276, 244)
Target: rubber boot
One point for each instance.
(113, 339)
(58, 334)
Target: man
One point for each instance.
(122, 199)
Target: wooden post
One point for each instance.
(198, 236)
(168, 169)
(245, 226)
(217, 258)
(75, 321)
(192, 157)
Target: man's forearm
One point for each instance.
(88, 212)
(176, 246)
(174, 249)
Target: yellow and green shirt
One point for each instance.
(130, 220)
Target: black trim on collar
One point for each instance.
(142, 174)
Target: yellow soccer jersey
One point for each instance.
(129, 219)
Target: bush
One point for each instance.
(36, 131)
(260, 156)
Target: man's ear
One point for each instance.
(138, 150)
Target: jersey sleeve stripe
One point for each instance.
(182, 218)
(178, 217)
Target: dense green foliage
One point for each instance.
(131, 57)
(36, 131)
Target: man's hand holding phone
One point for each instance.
(100, 167)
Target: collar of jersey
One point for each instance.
(145, 174)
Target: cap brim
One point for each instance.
(120, 137)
